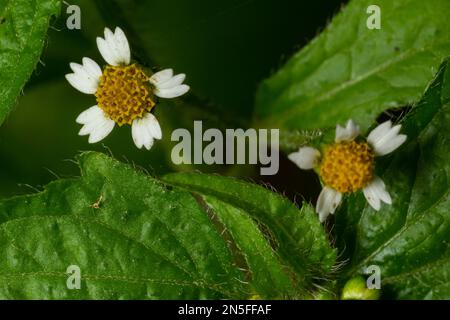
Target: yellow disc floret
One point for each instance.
(124, 93)
(347, 166)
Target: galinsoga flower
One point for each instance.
(125, 93)
(348, 165)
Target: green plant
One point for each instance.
(172, 233)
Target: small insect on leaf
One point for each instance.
(96, 205)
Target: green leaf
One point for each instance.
(299, 238)
(409, 240)
(23, 28)
(136, 238)
(270, 277)
(137, 244)
(349, 71)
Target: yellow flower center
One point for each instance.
(124, 93)
(347, 166)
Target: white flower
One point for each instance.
(125, 93)
(348, 165)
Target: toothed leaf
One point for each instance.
(23, 29)
(408, 240)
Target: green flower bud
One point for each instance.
(356, 289)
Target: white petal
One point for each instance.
(384, 138)
(89, 115)
(96, 124)
(86, 77)
(172, 92)
(136, 133)
(167, 85)
(161, 76)
(78, 69)
(145, 131)
(173, 82)
(380, 130)
(152, 125)
(106, 52)
(92, 68)
(376, 192)
(90, 126)
(122, 45)
(390, 145)
(349, 133)
(371, 198)
(81, 81)
(329, 199)
(114, 47)
(306, 158)
(102, 131)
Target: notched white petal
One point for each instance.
(111, 43)
(305, 158)
(114, 47)
(92, 68)
(90, 127)
(152, 126)
(136, 134)
(123, 46)
(328, 201)
(167, 85)
(161, 76)
(376, 192)
(173, 82)
(106, 52)
(172, 92)
(390, 145)
(82, 83)
(385, 138)
(89, 115)
(380, 131)
(85, 77)
(119, 49)
(95, 124)
(102, 131)
(145, 131)
(76, 67)
(371, 198)
(349, 133)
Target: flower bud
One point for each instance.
(356, 289)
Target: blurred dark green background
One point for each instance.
(226, 47)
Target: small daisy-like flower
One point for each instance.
(348, 165)
(125, 93)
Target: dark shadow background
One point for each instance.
(226, 47)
